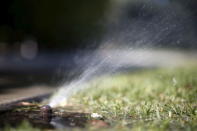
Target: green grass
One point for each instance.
(159, 99)
(25, 126)
(162, 99)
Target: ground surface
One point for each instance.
(162, 99)
(158, 99)
(155, 99)
(17, 94)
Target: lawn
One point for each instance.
(156, 99)
(161, 99)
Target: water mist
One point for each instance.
(125, 45)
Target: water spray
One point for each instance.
(162, 24)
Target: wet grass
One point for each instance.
(162, 99)
(159, 99)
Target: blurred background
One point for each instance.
(39, 37)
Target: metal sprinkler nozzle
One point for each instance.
(46, 112)
(46, 109)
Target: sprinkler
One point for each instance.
(46, 112)
(46, 109)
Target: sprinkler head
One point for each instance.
(46, 109)
(46, 112)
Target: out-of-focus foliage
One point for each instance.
(71, 24)
(189, 5)
(156, 23)
(62, 22)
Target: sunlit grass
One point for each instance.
(145, 100)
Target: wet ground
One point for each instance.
(59, 118)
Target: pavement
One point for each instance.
(14, 95)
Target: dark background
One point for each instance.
(69, 24)
(39, 37)
(61, 24)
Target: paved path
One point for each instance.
(17, 94)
